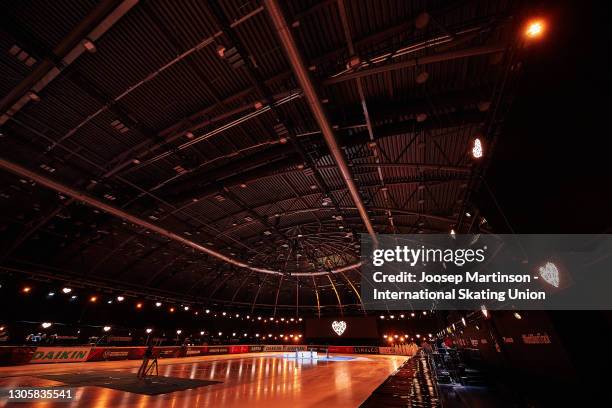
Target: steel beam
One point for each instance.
(94, 202)
(301, 73)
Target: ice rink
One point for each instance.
(262, 379)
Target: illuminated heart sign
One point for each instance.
(339, 327)
(550, 274)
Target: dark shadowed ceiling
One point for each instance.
(189, 116)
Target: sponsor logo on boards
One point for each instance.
(366, 350)
(60, 355)
(273, 348)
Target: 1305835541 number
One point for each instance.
(39, 393)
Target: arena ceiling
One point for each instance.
(231, 152)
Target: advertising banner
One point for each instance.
(238, 349)
(218, 349)
(167, 352)
(366, 350)
(196, 351)
(278, 347)
(24, 355)
(60, 354)
(116, 353)
(341, 349)
(294, 348)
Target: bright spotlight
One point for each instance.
(477, 149)
(535, 29)
(66, 290)
(158, 304)
(518, 316)
(46, 325)
(120, 298)
(106, 328)
(179, 331)
(149, 331)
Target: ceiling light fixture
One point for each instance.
(550, 273)
(477, 151)
(535, 29)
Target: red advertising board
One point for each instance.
(116, 353)
(14, 355)
(238, 349)
(341, 349)
(196, 351)
(59, 355)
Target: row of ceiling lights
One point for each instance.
(401, 316)
(139, 305)
(399, 337)
(107, 329)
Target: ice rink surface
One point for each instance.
(253, 380)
